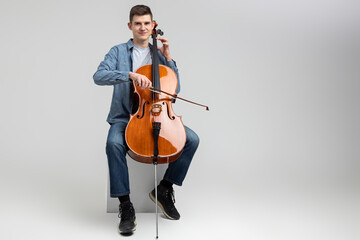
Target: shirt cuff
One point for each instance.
(123, 77)
(172, 63)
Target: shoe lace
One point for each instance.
(170, 194)
(126, 211)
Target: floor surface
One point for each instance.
(312, 216)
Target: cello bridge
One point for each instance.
(156, 109)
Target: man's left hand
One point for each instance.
(165, 50)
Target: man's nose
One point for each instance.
(142, 27)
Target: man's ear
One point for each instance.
(129, 25)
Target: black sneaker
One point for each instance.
(166, 201)
(128, 219)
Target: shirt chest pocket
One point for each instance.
(124, 66)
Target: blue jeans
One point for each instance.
(116, 149)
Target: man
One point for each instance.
(117, 69)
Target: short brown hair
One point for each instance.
(140, 10)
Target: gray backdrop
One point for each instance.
(281, 79)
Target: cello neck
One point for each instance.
(155, 63)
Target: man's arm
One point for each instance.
(106, 73)
(166, 58)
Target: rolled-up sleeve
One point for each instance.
(106, 73)
(172, 65)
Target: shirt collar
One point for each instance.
(130, 45)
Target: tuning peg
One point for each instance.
(160, 32)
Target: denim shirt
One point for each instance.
(114, 70)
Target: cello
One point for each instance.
(155, 134)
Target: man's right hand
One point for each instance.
(141, 80)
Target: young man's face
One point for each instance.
(142, 27)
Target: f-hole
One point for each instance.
(143, 111)
(168, 111)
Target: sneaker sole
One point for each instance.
(128, 231)
(161, 206)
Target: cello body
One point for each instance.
(155, 107)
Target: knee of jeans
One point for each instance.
(112, 146)
(193, 140)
